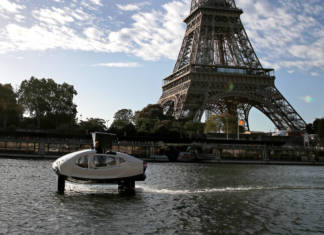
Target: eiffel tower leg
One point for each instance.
(280, 112)
(179, 110)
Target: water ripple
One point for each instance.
(175, 199)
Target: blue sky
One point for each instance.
(116, 53)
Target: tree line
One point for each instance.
(46, 105)
(38, 103)
(43, 104)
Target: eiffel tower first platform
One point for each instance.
(218, 71)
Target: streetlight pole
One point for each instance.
(227, 128)
(238, 129)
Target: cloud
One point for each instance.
(96, 2)
(93, 33)
(10, 7)
(118, 65)
(286, 34)
(40, 38)
(53, 16)
(92, 5)
(128, 7)
(151, 36)
(132, 7)
(154, 34)
(19, 18)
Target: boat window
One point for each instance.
(82, 162)
(121, 160)
(104, 161)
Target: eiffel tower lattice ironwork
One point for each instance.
(218, 71)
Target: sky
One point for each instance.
(116, 53)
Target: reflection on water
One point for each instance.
(175, 199)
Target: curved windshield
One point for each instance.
(99, 161)
(104, 161)
(82, 162)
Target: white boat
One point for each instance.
(91, 166)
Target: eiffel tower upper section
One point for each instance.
(223, 38)
(217, 70)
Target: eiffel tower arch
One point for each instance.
(218, 71)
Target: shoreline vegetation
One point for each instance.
(213, 148)
(40, 117)
(203, 161)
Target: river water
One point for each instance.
(175, 199)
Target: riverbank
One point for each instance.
(246, 162)
(207, 161)
(28, 156)
(261, 162)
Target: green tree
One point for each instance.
(63, 110)
(213, 125)
(193, 129)
(310, 128)
(10, 111)
(93, 124)
(321, 129)
(124, 115)
(122, 129)
(148, 119)
(318, 126)
(145, 125)
(123, 119)
(153, 121)
(153, 112)
(226, 123)
(48, 102)
(163, 128)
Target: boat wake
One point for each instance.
(148, 189)
(91, 188)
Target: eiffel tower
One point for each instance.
(218, 71)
